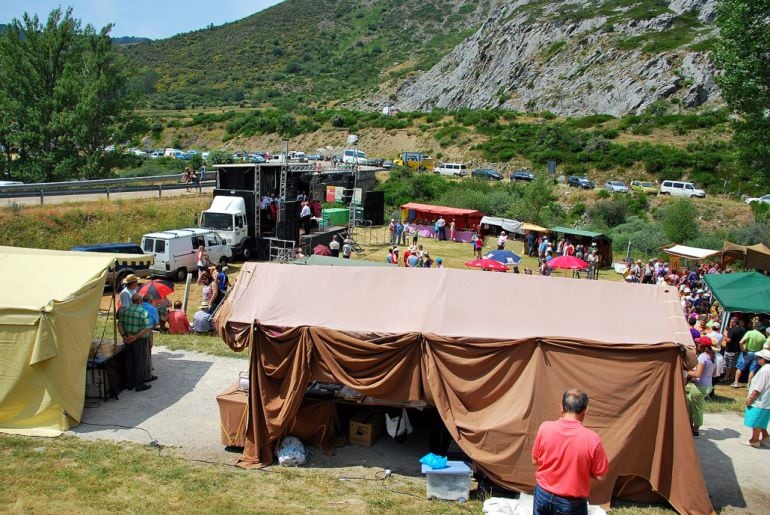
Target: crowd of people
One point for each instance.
(725, 355)
(415, 256)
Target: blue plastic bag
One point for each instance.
(434, 461)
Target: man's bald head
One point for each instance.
(136, 298)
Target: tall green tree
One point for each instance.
(680, 221)
(742, 54)
(63, 98)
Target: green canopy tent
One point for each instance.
(745, 292)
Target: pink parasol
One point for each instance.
(487, 264)
(567, 263)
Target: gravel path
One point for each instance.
(180, 411)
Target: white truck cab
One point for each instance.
(227, 216)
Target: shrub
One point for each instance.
(680, 222)
(608, 213)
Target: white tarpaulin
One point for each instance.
(690, 252)
(505, 223)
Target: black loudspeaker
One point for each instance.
(374, 207)
(288, 221)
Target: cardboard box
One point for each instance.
(365, 427)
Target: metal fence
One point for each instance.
(107, 187)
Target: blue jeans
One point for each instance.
(546, 503)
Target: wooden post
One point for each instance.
(187, 283)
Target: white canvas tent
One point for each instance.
(47, 315)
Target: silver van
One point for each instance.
(175, 250)
(681, 189)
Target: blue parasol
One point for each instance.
(504, 256)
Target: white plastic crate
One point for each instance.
(452, 483)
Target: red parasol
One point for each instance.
(321, 250)
(158, 289)
(567, 263)
(487, 264)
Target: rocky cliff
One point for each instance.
(573, 58)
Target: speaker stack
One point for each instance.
(374, 207)
(288, 221)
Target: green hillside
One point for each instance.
(301, 52)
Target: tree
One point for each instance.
(537, 203)
(63, 99)
(741, 53)
(680, 223)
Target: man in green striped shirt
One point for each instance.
(135, 325)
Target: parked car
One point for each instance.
(644, 187)
(616, 187)
(314, 157)
(522, 175)
(487, 173)
(374, 161)
(139, 266)
(452, 169)
(764, 199)
(175, 250)
(257, 158)
(580, 182)
(681, 189)
(387, 164)
(156, 154)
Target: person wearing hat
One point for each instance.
(202, 319)
(757, 414)
(439, 263)
(700, 383)
(130, 286)
(134, 326)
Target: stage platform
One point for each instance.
(308, 241)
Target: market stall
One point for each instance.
(492, 384)
(423, 216)
(602, 242)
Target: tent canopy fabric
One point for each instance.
(755, 257)
(46, 324)
(491, 383)
(513, 226)
(578, 232)
(745, 292)
(434, 309)
(441, 210)
(526, 226)
(693, 253)
(317, 259)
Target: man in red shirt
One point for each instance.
(567, 456)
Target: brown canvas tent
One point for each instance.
(492, 383)
(755, 257)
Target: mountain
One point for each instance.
(571, 57)
(581, 58)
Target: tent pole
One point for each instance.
(114, 309)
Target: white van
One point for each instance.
(681, 189)
(352, 156)
(453, 169)
(175, 250)
(173, 153)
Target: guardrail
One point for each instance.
(103, 186)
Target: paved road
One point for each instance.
(181, 412)
(96, 197)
